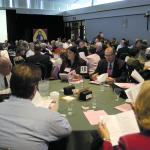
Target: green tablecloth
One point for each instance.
(80, 138)
(105, 100)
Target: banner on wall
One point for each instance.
(39, 34)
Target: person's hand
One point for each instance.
(110, 80)
(77, 77)
(94, 77)
(104, 131)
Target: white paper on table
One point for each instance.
(133, 92)
(82, 55)
(40, 101)
(137, 76)
(120, 124)
(102, 78)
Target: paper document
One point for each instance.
(125, 85)
(93, 116)
(101, 78)
(40, 101)
(82, 55)
(124, 107)
(133, 92)
(137, 76)
(120, 124)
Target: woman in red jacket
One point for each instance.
(138, 141)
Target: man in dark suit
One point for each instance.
(115, 68)
(43, 61)
(83, 48)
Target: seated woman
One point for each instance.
(72, 61)
(136, 141)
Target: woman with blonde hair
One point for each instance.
(136, 141)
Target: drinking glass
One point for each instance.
(116, 94)
(102, 86)
(70, 108)
(94, 102)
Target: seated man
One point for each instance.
(42, 60)
(115, 68)
(23, 125)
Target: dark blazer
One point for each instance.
(43, 60)
(123, 52)
(84, 49)
(75, 66)
(119, 69)
(136, 141)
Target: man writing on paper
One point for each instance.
(115, 68)
(23, 125)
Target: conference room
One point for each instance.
(74, 74)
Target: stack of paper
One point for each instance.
(93, 116)
(133, 92)
(137, 76)
(120, 124)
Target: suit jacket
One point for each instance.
(138, 141)
(119, 69)
(43, 60)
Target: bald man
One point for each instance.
(5, 69)
(115, 68)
